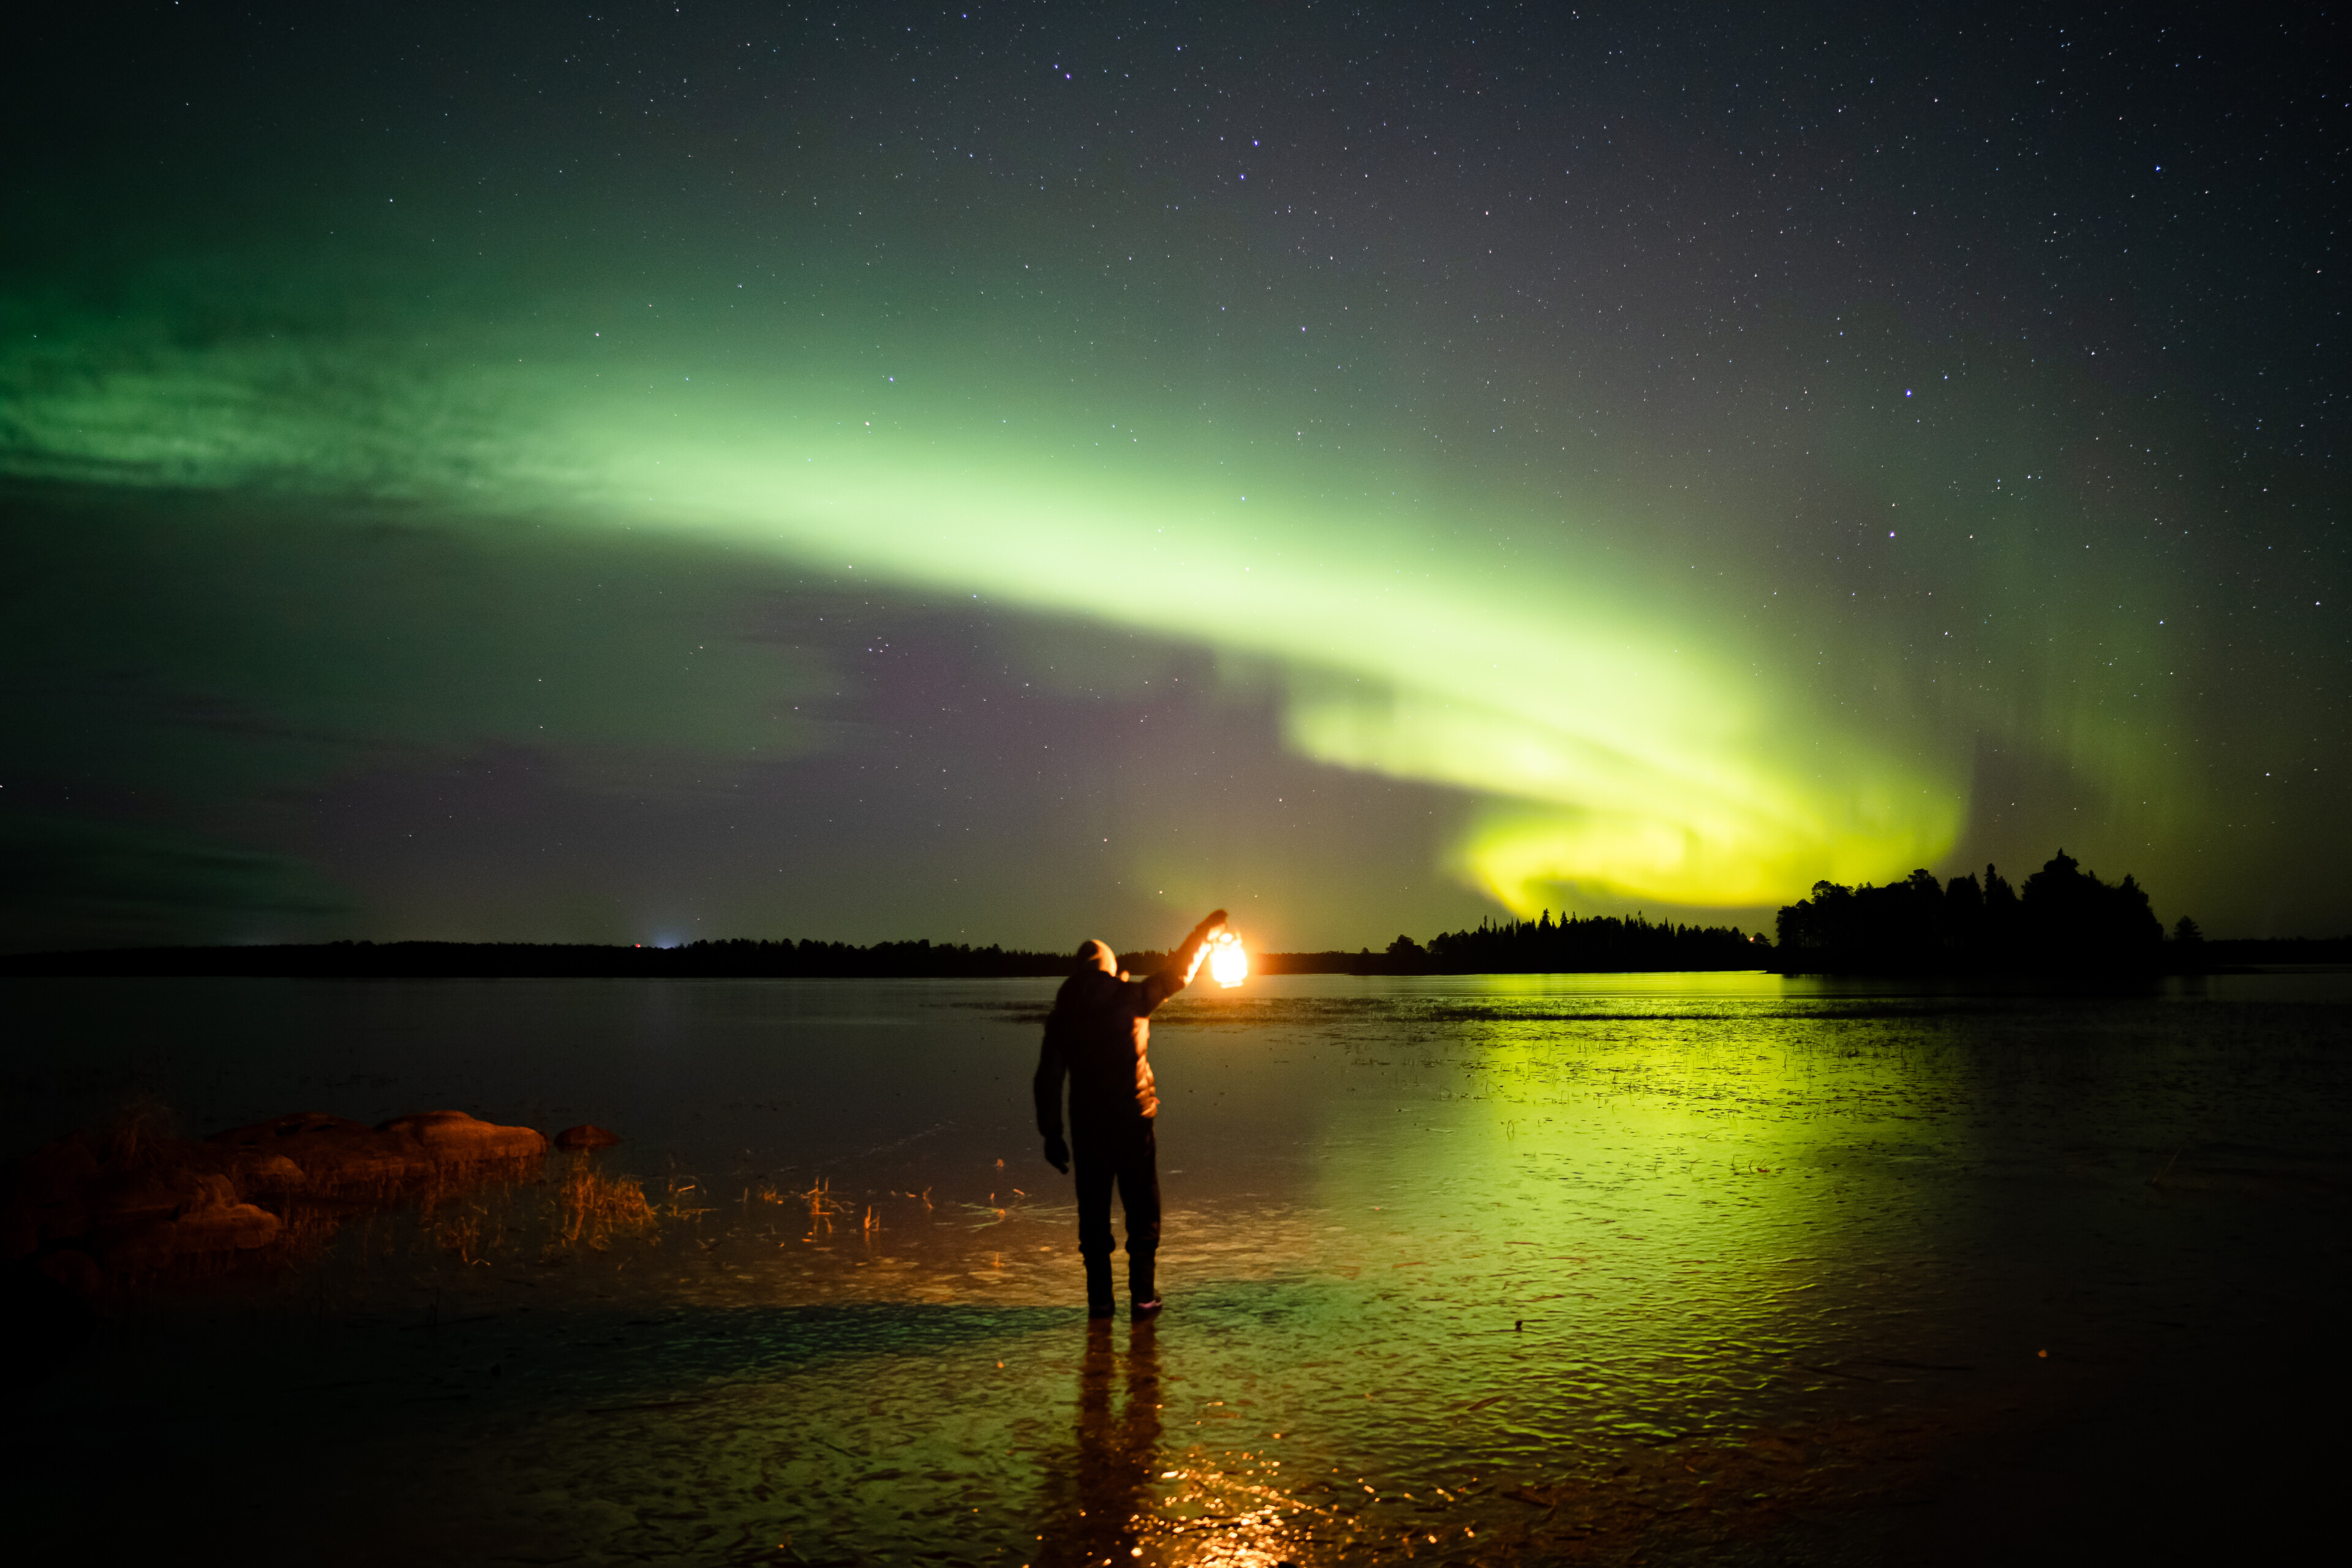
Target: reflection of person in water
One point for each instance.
(1099, 1507)
(1097, 1034)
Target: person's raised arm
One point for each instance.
(1177, 973)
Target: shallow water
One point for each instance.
(1490, 1268)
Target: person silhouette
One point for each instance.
(1097, 1037)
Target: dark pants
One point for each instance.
(1118, 1151)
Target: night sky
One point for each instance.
(1018, 472)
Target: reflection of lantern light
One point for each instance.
(1228, 959)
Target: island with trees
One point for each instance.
(2064, 920)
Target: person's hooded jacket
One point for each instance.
(1098, 1032)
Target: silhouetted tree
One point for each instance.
(1898, 925)
(1964, 919)
(1602, 943)
(2073, 918)
(1406, 955)
(2003, 920)
(2066, 918)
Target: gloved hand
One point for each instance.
(1197, 944)
(1057, 1155)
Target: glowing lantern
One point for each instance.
(1228, 959)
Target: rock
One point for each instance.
(230, 1228)
(166, 1193)
(206, 1191)
(130, 1198)
(586, 1136)
(313, 1152)
(334, 1152)
(452, 1135)
(269, 1175)
(155, 1245)
(70, 1215)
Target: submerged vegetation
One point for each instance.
(592, 1208)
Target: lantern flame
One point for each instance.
(1228, 959)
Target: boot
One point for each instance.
(1100, 1301)
(1140, 1283)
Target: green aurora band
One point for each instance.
(1646, 480)
(1616, 750)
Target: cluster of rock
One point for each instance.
(88, 1212)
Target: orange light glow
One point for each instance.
(1228, 959)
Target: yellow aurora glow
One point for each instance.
(1619, 746)
(1610, 752)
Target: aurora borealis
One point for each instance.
(1002, 473)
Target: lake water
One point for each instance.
(1575, 1267)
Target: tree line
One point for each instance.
(2063, 918)
(1605, 943)
(734, 958)
(1594, 942)
(1601, 943)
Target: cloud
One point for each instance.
(77, 882)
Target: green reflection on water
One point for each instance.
(1505, 1257)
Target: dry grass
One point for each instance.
(683, 1200)
(592, 1208)
(822, 1206)
(467, 1233)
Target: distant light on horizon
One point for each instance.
(365, 597)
